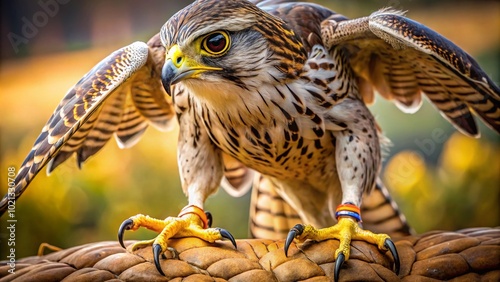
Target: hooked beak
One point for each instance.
(179, 67)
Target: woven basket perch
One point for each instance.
(465, 255)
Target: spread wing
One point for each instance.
(401, 59)
(120, 96)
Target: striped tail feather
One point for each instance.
(238, 178)
(270, 216)
(381, 214)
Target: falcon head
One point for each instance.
(216, 47)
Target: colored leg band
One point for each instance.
(197, 211)
(348, 210)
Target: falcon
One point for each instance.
(274, 92)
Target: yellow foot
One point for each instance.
(345, 230)
(191, 222)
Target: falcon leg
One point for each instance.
(191, 222)
(358, 161)
(201, 170)
(345, 230)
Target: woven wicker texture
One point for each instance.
(465, 255)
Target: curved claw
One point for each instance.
(156, 254)
(295, 231)
(126, 225)
(209, 218)
(390, 245)
(225, 234)
(338, 264)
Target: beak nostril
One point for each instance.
(179, 60)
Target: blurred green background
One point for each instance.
(441, 179)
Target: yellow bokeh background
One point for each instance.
(460, 191)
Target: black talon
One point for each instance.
(390, 245)
(225, 234)
(126, 225)
(295, 231)
(156, 254)
(209, 218)
(338, 264)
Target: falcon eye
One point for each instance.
(216, 43)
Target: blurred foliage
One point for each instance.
(461, 191)
(446, 185)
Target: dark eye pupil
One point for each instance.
(216, 42)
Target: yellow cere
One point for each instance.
(184, 63)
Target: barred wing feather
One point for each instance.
(120, 96)
(401, 59)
